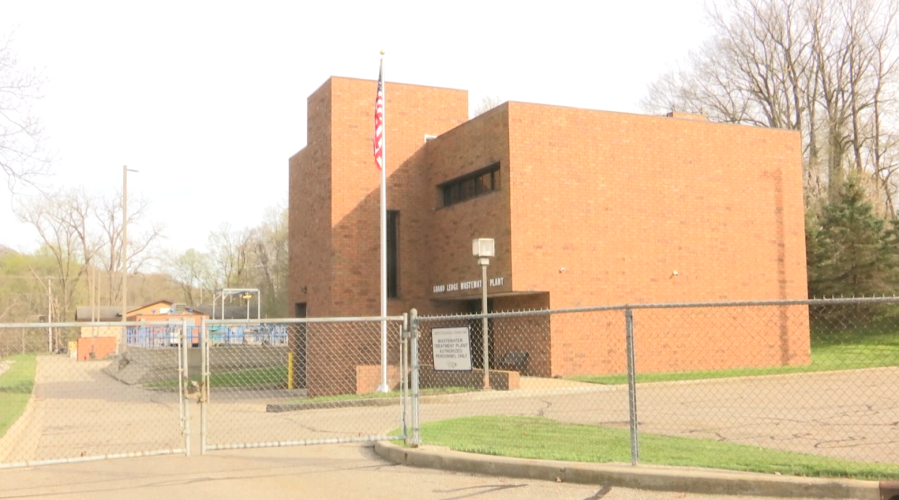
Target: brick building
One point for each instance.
(586, 208)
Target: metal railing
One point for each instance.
(227, 334)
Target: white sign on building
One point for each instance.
(452, 348)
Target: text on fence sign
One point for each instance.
(452, 348)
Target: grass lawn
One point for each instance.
(15, 389)
(254, 377)
(542, 438)
(872, 345)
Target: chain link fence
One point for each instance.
(819, 379)
(73, 392)
(295, 382)
(711, 385)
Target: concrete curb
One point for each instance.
(474, 395)
(644, 477)
(353, 403)
(330, 405)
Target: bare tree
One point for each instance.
(270, 260)
(487, 103)
(144, 234)
(61, 221)
(83, 232)
(22, 157)
(9, 304)
(826, 68)
(750, 72)
(229, 251)
(255, 257)
(24, 285)
(191, 271)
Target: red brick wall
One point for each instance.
(470, 147)
(310, 239)
(309, 214)
(368, 378)
(622, 201)
(335, 215)
(618, 201)
(334, 186)
(683, 339)
(530, 334)
(411, 112)
(100, 346)
(669, 340)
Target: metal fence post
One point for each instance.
(182, 390)
(413, 335)
(185, 376)
(204, 382)
(632, 386)
(404, 336)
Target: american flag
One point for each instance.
(379, 123)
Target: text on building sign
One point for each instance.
(466, 285)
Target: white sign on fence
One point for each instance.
(452, 348)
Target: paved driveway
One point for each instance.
(311, 472)
(849, 414)
(77, 410)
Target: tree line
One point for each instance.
(80, 249)
(79, 259)
(254, 257)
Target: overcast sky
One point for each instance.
(208, 99)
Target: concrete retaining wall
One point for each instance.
(140, 365)
(499, 379)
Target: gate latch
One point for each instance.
(191, 387)
(203, 391)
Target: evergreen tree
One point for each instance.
(851, 253)
(891, 241)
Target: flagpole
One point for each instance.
(384, 387)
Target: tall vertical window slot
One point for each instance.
(392, 244)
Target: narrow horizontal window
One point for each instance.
(470, 186)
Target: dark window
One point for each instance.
(296, 342)
(392, 244)
(467, 187)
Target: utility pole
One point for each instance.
(125, 171)
(49, 315)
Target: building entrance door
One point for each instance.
(477, 337)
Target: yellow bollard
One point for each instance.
(290, 369)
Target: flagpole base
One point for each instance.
(383, 388)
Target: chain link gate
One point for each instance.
(74, 392)
(296, 382)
